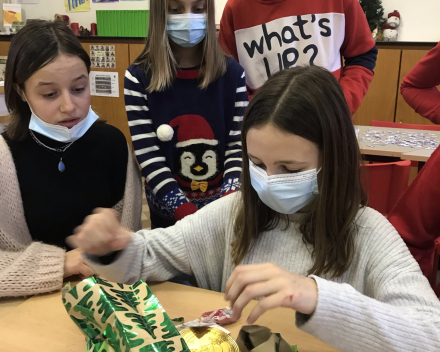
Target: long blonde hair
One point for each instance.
(158, 57)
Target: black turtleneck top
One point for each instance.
(55, 202)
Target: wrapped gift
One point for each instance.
(121, 318)
(254, 338)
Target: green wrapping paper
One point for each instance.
(121, 318)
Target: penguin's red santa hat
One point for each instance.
(192, 129)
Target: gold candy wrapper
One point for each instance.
(209, 339)
(121, 318)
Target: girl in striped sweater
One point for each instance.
(185, 101)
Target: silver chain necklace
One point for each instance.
(61, 166)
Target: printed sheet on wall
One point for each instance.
(77, 5)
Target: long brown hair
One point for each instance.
(33, 47)
(158, 57)
(308, 102)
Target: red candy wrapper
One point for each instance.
(220, 317)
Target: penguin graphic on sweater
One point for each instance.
(196, 160)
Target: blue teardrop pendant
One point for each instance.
(61, 166)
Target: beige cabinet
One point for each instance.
(380, 101)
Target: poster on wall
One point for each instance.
(77, 5)
(2, 67)
(103, 56)
(28, 1)
(11, 13)
(104, 84)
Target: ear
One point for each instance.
(20, 92)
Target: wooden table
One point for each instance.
(9, 304)
(421, 155)
(413, 154)
(41, 323)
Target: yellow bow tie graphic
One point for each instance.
(203, 186)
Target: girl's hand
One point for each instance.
(100, 234)
(277, 288)
(74, 264)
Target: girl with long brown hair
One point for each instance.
(185, 102)
(297, 235)
(57, 163)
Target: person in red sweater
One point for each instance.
(419, 87)
(416, 216)
(266, 36)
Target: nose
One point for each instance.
(198, 168)
(270, 171)
(67, 106)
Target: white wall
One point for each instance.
(219, 6)
(46, 9)
(420, 18)
(41, 11)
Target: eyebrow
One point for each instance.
(50, 83)
(289, 162)
(280, 161)
(180, 3)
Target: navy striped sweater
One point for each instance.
(187, 139)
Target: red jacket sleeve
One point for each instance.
(417, 214)
(360, 53)
(226, 36)
(419, 86)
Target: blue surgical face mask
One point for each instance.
(187, 29)
(285, 193)
(61, 133)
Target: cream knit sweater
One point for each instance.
(382, 303)
(27, 267)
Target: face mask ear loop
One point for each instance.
(27, 101)
(315, 186)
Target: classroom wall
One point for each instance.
(46, 9)
(85, 18)
(219, 6)
(420, 19)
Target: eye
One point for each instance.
(261, 166)
(291, 171)
(79, 90)
(209, 157)
(174, 10)
(187, 158)
(199, 10)
(50, 95)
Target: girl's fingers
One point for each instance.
(242, 281)
(244, 275)
(72, 241)
(85, 270)
(270, 302)
(91, 242)
(237, 271)
(250, 292)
